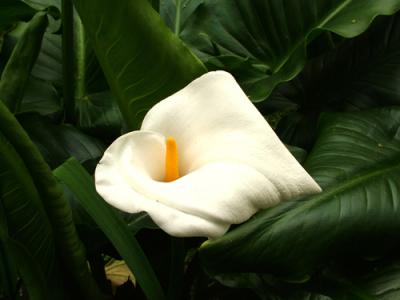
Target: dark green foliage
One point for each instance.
(324, 73)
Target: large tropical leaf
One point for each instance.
(48, 66)
(28, 232)
(87, 98)
(356, 160)
(58, 211)
(361, 73)
(57, 143)
(74, 176)
(176, 13)
(271, 36)
(143, 61)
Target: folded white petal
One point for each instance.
(202, 203)
(139, 152)
(212, 120)
(232, 163)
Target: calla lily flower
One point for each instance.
(204, 159)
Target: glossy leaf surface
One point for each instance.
(356, 161)
(272, 36)
(361, 73)
(69, 247)
(72, 174)
(143, 61)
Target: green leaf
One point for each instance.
(16, 73)
(383, 281)
(34, 281)
(48, 66)
(29, 235)
(138, 221)
(12, 11)
(143, 61)
(57, 208)
(59, 142)
(299, 153)
(41, 97)
(74, 176)
(42, 4)
(176, 13)
(87, 99)
(42, 90)
(273, 35)
(99, 114)
(356, 160)
(361, 73)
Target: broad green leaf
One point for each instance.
(74, 176)
(41, 94)
(12, 11)
(176, 13)
(49, 61)
(143, 61)
(383, 282)
(69, 247)
(361, 73)
(57, 143)
(356, 160)
(29, 235)
(99, 114)
(16, 73)
(93, 107)
(273, 35)
(41, 97)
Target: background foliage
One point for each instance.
(77, 74)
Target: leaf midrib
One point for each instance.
(303, 39)
(347, 184)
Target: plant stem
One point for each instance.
(178, 17)
(79, 52)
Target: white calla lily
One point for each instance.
(231, 163)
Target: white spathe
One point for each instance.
(231, 162)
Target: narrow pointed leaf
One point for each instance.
(12, 11)
(75, 177)
(16, 73)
